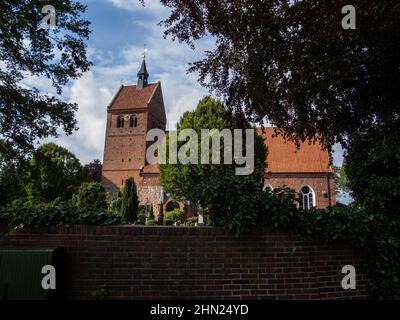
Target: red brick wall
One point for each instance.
(317, 181)
(125, 148)
(172, 262)
(157, 109)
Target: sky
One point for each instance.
(120, 30)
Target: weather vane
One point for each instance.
(144, 51)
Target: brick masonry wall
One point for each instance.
(149, 194)
(134, 262)
(124, 148)
(317, 181)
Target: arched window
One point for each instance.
(120, 122)
(268, 187)
(133, 121)
(306, 198)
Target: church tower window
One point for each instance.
(120, 122)
(133, 121)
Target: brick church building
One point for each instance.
(135, 109)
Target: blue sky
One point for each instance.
(120, 28)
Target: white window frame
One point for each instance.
(314, 198)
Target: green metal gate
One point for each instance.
(21, 273)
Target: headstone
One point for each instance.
(200, 220)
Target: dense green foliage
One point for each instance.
(160, 220)
(255, 207)
(191, 222)
(372, 167)
(93, 171)
(288, 62)
(27, 49)
(21, 213)
(189, 181)
(176, 215)
(378, 235)
(51, 189)
(53, 172)
(375, 233)
(150, 222)
(129, 202)
(151, 212)
(141, 215)
(341, 179)
(292, 63)
(91, 196)
(11, 185)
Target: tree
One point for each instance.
(188, 180)
(93, 170)
(130, 203)
(292, 63)
(53, 172)
(151, 213)
(195, 182)
(373, 173)
(11, 182)
(91, 196)
(161, 215)
(341, 179)
(28, 49)
(11, 186)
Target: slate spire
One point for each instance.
(143, 75)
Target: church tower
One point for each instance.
(133, 111)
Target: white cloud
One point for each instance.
(87, 143)
(152, 7)
(93, 100)
(167, 61)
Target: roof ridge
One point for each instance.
(131, 97)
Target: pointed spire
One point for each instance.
(143, 75)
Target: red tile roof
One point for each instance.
(283, 157)
(129, 97)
